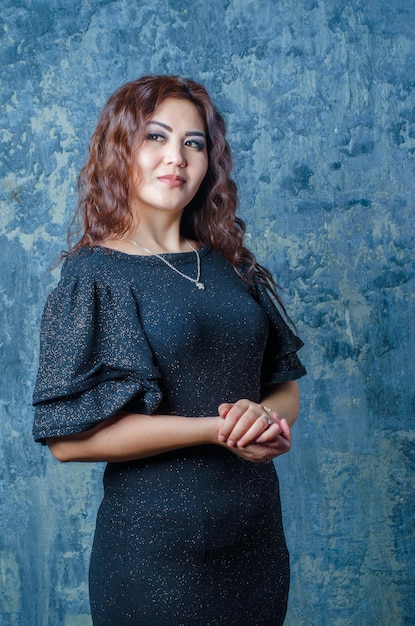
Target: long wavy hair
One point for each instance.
(106, 180)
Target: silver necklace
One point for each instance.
(196, 281)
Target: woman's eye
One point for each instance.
(192, 143)
(155, 137)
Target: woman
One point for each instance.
(163, 355)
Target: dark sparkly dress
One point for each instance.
(193, 537)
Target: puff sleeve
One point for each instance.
(94, 356)
(280, 362)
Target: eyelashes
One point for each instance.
(157, 137)
(199, 145)
(191, 143)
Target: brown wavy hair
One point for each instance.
(105, 181)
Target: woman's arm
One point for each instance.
(131, 436)
(241, 427)
(285, 400)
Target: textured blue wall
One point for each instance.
(320, 100)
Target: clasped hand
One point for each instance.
(247, 430)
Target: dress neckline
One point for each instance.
(177, 256)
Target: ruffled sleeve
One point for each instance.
(281, 362)
(94, 356)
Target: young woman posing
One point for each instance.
(163, 354)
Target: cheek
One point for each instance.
(136, 179)
(203, 172)
(143, 166)
(141, 162)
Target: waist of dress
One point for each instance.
(199, 469)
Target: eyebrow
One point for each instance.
(192, 133)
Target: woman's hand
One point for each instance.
(245, 421)
(253, 432)
(266, 448)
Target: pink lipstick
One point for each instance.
(172, 180)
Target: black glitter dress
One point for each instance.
(193, 537)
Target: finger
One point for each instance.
(280, 445)
(260, 432)
(254, 453)
(257, 453)
(232, 417)
(249, 426)
(285, 430)
(224, 408)
(270, 434)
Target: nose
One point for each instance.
(175, 154)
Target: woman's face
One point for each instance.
(172, 162)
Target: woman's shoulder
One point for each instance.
(90, 273)
(92, 263)
(90, 278)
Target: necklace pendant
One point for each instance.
(197, 282)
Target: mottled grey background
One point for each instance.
(319, 98)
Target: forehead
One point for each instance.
(180, 111)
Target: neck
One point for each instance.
(158, 230)
(159, 239)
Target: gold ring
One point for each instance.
(272, 414)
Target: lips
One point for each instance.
(172, 180)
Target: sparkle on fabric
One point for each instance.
(193, 537)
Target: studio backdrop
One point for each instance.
(319, 98)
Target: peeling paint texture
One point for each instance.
(319, 96)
